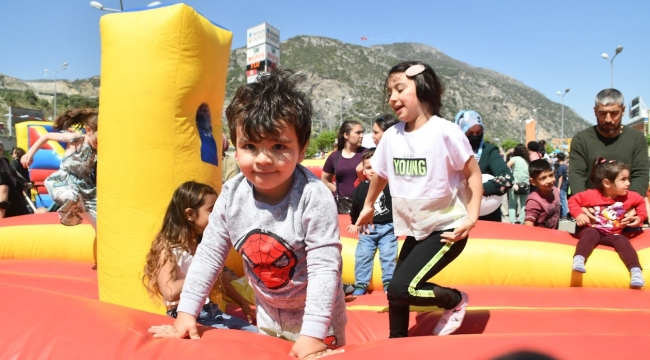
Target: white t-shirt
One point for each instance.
(425, 172)
(183, 260)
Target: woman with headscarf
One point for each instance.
(489, 159)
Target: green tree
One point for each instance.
(323, 141)
(508, 144)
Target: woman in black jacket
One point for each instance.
(489, 159)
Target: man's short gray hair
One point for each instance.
(610, 97)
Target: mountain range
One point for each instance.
(346, 82)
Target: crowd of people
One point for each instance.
(283, 220)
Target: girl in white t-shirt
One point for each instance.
(430, 164)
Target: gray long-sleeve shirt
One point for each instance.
(291, 251)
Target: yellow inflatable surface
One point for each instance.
(163, 86)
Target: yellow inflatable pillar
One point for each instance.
(163, 79)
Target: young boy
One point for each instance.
(562, 183)
(282, 220)
(382, 237)
(543, 204)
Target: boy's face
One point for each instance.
(544, 181)
(269, 163)
(367, 169)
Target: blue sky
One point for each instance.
(548, 45)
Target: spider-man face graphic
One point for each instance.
(331, 342)
(269, 257)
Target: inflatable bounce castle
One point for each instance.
(73, 292)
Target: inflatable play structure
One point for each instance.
(73, 292)
(47, 159)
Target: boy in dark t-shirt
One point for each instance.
(382, 237)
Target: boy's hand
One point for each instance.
(307, 345)
(364, 221)
(583, 220)
(459, 233)
(251, 316)
(183, 325)
(352, 229)
(323, 353)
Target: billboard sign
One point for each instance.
(262, 34)
(262, 52)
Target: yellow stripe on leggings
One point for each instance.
(424, 270)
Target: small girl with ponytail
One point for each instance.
(611, 200)
(73, 186)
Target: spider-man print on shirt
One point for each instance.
(269, 256)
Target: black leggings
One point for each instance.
(418, 262)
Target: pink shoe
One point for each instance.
(452, 319)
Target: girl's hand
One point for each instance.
(26, 160)
(307, 345)
(364, 221)
(583, 220)
(630, 219)
(589, 213)
(352, 229)
(251, 316)
(183, 325)
(461, 232)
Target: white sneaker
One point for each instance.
(579, 264)
(636, 279)
(452, 319)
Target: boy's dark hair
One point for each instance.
(263, 109)
(428, 86)
(537, 167)
(606, 169)
(367, 155)
(560, 156)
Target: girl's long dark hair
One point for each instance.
(76, 118)
(345, 128)
(176, 232)
(522, 151)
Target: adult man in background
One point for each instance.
(611, 140)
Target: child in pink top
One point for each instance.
(611, 200)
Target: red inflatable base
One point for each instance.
(50, 310)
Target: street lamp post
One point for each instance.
(619, 49)
(100, 6)
(341, 109)
(369, 119)
(62, 67)
(562, 138)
